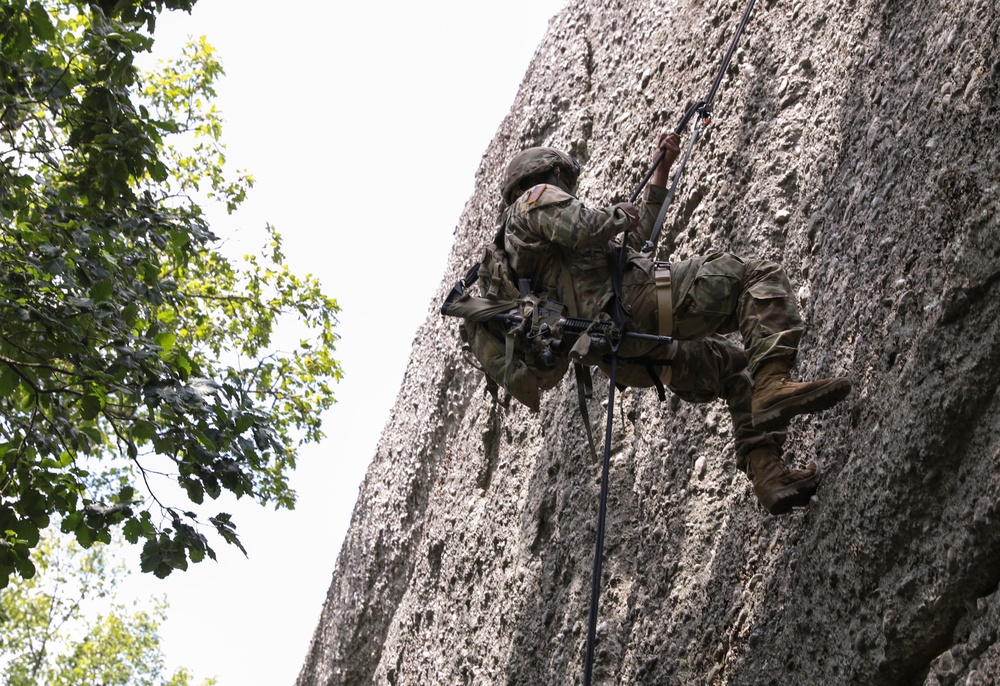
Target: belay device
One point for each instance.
(525, 338)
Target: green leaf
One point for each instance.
(102, 290)
(90, 407)
(151, 557)
(244, 422)
(84, 535)
(166, 341)
(132, 530)
(211, 486)
(195, 491)
(9, 380)
(32, 504)
(183, 365)
(26, 568)
(143, 430)
(224, 525)
(40, 22)
(71, 521)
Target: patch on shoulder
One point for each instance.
(541, 195)
(535, 194)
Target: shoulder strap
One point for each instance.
(584, 391)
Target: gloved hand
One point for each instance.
(632, 212)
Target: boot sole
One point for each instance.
(798, 494)
(778, 415)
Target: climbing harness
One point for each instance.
(704, 111)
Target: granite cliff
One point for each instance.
(856, 143)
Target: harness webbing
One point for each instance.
(704, 110)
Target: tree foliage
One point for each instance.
(131, 347)
(50, 634)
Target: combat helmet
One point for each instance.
(535, 162)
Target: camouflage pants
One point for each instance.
(704, 370)
(717, 294)
(720, 293)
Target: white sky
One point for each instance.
(363, 124)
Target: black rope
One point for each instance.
(704, 110)
(729, 56)
(703, 107)
(595, 586)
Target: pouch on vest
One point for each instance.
(508, 334)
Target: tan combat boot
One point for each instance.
(776, 399)
(778, 488)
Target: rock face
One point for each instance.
(855, 142)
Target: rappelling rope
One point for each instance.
(704, 111)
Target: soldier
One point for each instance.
(562, 246)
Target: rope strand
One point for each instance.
(703, 109)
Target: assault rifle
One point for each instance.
(558, 338)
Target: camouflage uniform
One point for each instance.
(562, 246)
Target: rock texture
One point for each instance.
(856, 142)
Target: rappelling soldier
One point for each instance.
(562, 248)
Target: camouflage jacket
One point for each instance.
(550, 235)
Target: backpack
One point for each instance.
(511, 334)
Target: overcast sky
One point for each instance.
(363, 124)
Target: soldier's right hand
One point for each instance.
(670, 144)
